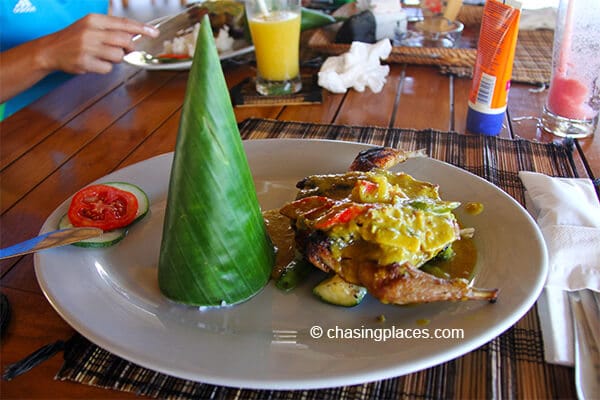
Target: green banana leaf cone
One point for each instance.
(215, 249)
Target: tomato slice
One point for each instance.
(103, 207)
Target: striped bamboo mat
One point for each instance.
(510, 366)
(244, 94)
(532, 62)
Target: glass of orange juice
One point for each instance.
(275, 30)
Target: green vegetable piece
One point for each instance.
(294, 274)
(334, 290)
(215, 249)
(433, 266)
(446, 254)
(311, 19)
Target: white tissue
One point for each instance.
(568, 213)
(358, 68)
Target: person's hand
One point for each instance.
(92, 44)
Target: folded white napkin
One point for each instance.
(568, 213)
(358, 68)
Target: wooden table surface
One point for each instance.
(96, 124)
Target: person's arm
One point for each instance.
(91, 44)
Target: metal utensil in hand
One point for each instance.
(51, 239)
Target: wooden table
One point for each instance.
(97, 124)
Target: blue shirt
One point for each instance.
(25, 20)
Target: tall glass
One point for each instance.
(275, 29)
(573, 102)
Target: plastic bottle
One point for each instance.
(493, 68)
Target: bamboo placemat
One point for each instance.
(533, 54)
(244, 94)
(533, 59)
(322, 41)
(510, 366)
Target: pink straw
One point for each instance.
(565, 49)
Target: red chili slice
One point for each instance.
(367, 187)
(342, 215)
(103, 206)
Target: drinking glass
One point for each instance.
(275, 30)
(573, 103)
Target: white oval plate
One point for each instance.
(111, 295)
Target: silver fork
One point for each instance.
(585, 309)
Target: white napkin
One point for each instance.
(568, 213)
(358, 68)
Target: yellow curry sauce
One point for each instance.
(410, 223)
(391, 218)
(282, 236)
(461, 265)
(474, 208)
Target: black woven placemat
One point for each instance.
(510, 366)
(244, 94)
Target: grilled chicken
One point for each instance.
(382, 158)
(393, 283)
(375, 228)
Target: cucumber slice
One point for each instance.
(334, 290)
(105, 240)
(142, 197)
(294, 274)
